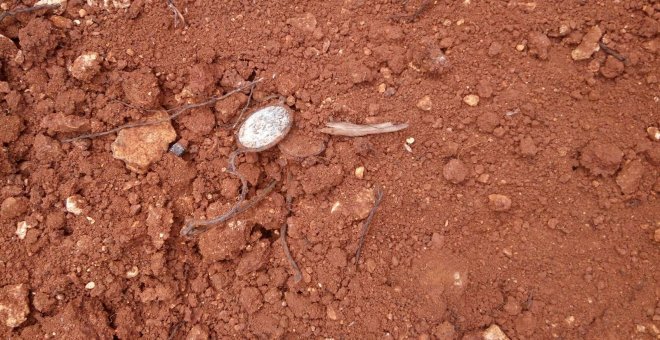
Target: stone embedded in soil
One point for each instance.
(86, 66)
(538, 44)
(13, 207)
(224, 242)
(455, 171)
(141, 88)
(499, 202)
(494, 333)
(425, 104)
(139, 147)
(14, 305)
(62, 123)
(528, 147)
(589, 44)
(630, 177)
(654, 133)
(74, 204)
(601, 159)
(11, 128)
(322, 177)
(656, 235)
(22, 228)
(612, 68)
(471, 100)
(298, 145)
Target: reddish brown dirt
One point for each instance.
(535, 209)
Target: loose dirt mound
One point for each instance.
(521, 201)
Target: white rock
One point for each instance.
(133, 272)
(72, 204)
(14, 305)
(494, 333)
(471, 100)
(21, 229)
(264, 128)
(90, 285)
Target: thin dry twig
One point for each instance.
(177, 112)
(365, 227)
(612, 52)
(13, 12)
(177, 14)
(418, 12)
(298, 274)
(194, 227)
(357, 130)
(247, 104)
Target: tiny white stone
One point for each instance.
(133, 272)
(72, 205)
(21, 229)
(90, 285)
(335, 207)
(410, 140)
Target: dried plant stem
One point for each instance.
(177, 14)
(177, 112)
(194, 227)
(298, 274)
(13, 12)
(365, 226)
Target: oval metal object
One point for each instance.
(264, 128)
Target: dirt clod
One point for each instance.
(455, 171)
(538, 44)
(601, 159)
(498, 202)
(612, 68)
(630, 176)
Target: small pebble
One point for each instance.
(424, 104)
(177, 149)
(359, 172)
(471, 100)
(656, 236)
(21, 229)
(520, 47)
(73, 205)
(410, 140)
(133, 272)
(90, 285)
(654, 133)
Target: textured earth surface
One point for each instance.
(521, 202)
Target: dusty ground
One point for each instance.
(522, 198)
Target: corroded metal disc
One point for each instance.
(264, 128)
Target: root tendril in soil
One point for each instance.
(612, 52)
(13, 12)
(194, 227)
(176, 13)
(365, 227)
(177, 112)
(298, 274)
(413, 17)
